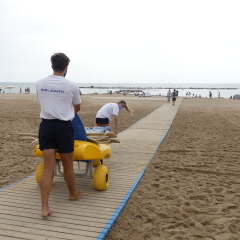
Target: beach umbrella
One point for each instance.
(9, 87)
(237, 96)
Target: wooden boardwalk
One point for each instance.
(92, 216)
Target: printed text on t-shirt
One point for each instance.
(51, 90)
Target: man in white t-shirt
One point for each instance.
(59, 99)
(109, 112)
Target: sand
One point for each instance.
(191, 188)
(20, 114)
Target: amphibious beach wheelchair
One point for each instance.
(90, 153)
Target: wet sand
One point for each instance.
(191, 188)
(20, 114)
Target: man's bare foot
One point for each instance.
(76, 196)
(45, 213)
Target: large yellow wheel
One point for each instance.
(39, 172)
(101, 178)
(97, 162)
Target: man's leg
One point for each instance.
(69, 175)
(46, 179)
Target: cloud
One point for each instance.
(127, 41)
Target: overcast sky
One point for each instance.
(180, 41)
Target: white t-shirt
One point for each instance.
(57, 95)
(109, 110)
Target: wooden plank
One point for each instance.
(64, 190)
(77, 213)
(21, 235)
(8, 238)
(68, 218)
(53, 199)
(37, 212)
(114, 203)
(56, 186)
(86, 182)
(62, 208)
(54, 195)
(42, 233)
(52, 219)
(74, 225)
(115, 180)
(116, 183)
(85, 231)
(100, 209)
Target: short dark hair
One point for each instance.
(123, 102)
(59, 61)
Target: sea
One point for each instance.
(226, 90)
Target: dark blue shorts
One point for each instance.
(102, 120)
(56, 134)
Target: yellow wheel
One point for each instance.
(39, 172)
(101, 178)
(97, 162)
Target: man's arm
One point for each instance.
(76, 107)
(116, 124)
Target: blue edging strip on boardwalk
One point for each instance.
(121, 206)
(16, 182)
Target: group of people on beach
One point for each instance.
(188, 94)
(27, 90)
(172, 95)
(210, 94)
(60, 100)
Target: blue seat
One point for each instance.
(79, 129)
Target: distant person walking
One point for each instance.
(168, 96)
(210, 94)
(20, 90)
(218, 94)
(174, 94)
